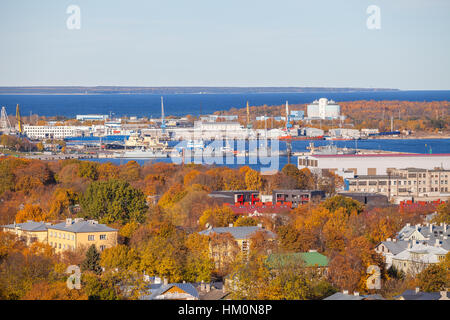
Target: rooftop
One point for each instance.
(310, 259)
(237, 232)
(28, 226)
(80, 226)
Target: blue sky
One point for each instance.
(226, 43)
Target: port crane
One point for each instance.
(5, 125)
(19, 120)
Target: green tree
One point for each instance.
(92, 261)
(113, 200)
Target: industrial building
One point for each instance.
(372, 164)
(324, 109)
(409, 182)
(50, 132)
(368, 199)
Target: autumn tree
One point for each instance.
(434, 278)
(31, 212)
(218, 217)
(253, 180)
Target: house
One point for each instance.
(171, 291)
(390, 248)
(75, 233)
(211, 291)
(419, 295)
(418, 256)
(429, 231)
(29, 231)
(242, 236)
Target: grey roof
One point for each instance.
(158, 289)
(28, 226)
(343, 296)
(395, 247)
(412, 295)
(237, 232)
(437, 231)
(82, 226)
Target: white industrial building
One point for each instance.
(51, 132)
(344, 133)
(372, 164)
(323, 109)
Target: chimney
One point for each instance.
(417, 227)
(208, 287)
(389, 239)
(431, 227)
(437, 243)
(202, 286)
(68, 221)
(409, 245)
(345, 292)
(166, 281)
(408, 224)
(260, 225)
(445, 227)
(311, 250)
(394, 240)
(356, 293)
(230, 225)
(417, 290)
(443, 295)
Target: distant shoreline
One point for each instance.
(76, 90)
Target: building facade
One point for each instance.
(404, 182)
(323, 109)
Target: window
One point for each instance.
(102, 248)
(103, 237)
(91, 237)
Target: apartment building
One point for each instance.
(29, 231)
(76, 233)
(404, 182)
(68, 235)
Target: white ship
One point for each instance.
(143, 154)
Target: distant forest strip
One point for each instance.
(411, 115)
(174, 90)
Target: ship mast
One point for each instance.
(163, 123)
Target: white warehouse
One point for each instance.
(372, 164)
(52, 132)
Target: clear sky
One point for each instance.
(226, 43)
